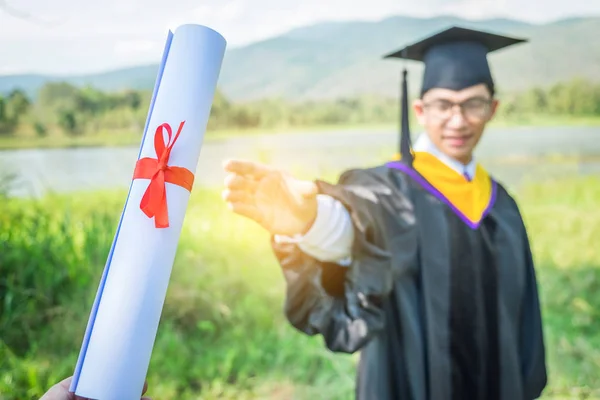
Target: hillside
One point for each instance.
(344, 58)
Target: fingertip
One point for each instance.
(229, 178)
(233, 164)
(66, 383)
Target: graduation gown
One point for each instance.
(441, 297)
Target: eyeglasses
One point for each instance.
(473, 108)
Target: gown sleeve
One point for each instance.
(533, 353)
(345, 303)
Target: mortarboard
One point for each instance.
(455, 59)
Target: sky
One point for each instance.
(83, 36)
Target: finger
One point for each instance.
(239, 182)
(246, 210)
(60, 391)
(235, 196)
(145, 388)
(244, 167)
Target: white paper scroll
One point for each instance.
(123, 323)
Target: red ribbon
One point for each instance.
(154, 202)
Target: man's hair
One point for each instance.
(490, 87)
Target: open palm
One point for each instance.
(280, 203)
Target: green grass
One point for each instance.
(62, 141)
(128, 138)
(222, 333)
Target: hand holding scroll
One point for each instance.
(60, 391)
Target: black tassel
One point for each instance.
(405, 142)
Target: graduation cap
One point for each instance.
(454, 59)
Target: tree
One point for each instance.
(7, 124)
(91, 102)
(132, 99)
(3, 117)
(533, 101)
(221, 115)
(582, 97)
(18, 104)
(58, 95)
(40, 129)
(68, 122)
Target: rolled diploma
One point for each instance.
(122, 327)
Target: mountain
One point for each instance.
(141, 77)
(337, 59)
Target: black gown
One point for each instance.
(438, 310)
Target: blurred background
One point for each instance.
(304, 87)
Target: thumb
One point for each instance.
(307, 189)
(59, 391)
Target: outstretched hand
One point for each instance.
(280, 203)
(60, 391)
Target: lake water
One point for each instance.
(308, 153)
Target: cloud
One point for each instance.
(230, 11)
(27, 16)
(477, 9)
(126, 7)
(132, 47)
(224, 16)
(8, 70)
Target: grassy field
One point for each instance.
(128, 138)
(222, 333)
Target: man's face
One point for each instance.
(455, 120)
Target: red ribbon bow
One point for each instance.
(154, 202)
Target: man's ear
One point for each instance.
(494, 108)
(419, 111)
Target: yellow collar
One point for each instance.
(470, 200)
(424, 144)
